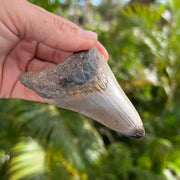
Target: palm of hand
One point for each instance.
(26, 55)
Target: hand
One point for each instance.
(32, 39)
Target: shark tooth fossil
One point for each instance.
(85, 83)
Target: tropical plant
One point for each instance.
(41, 138)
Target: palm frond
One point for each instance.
(70, 137)
(141, 15)
(28, 160)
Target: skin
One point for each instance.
(32, 39)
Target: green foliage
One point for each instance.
(28, 159)
(144, 49)
(69, 142)
(144, 55)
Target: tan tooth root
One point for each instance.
(84, 83)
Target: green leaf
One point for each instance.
(28, 160)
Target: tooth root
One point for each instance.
(84, 83)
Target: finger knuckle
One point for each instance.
(59, 25)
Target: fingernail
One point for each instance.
(87, 34)
(103, 50)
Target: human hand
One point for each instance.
(32, 39)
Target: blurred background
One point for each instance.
(42, 142)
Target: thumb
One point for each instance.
(46, 28)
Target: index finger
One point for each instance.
(101, 48)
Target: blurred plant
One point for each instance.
(67, 141)
(28, 159)
(143, 42)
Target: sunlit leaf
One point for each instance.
(28, 160)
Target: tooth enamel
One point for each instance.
(84, 83)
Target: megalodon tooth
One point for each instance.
(85, 83)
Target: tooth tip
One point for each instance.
(139, 133)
